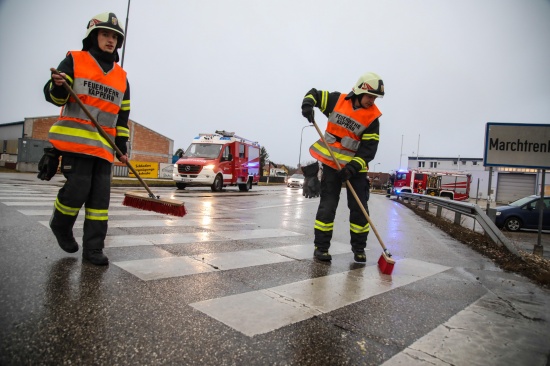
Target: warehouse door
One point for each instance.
(511, 187)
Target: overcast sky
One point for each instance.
(449, 67)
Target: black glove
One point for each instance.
(312, 186)
(47, 166)
(310, 170)
(346, 172)
(308, 113)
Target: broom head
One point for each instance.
(144, 202)
(386, 263)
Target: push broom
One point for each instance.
(385, 262)
(143, 201)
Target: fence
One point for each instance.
(460, 209)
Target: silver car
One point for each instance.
(296, 180)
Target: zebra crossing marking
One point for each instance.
(158, 239)
(111, 213)
(262, 311)
(463, 338)
(153, 269)
(150, 223)
(46, 203)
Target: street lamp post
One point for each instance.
(374, 171)
(300, 154)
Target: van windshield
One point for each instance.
(205, 151)
(400, 176)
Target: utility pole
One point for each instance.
(125, 35)
(401, 154)
(300, 155)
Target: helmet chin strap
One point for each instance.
(356, 99)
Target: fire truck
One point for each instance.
(218, 160)
(451, 185)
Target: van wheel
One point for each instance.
(181, 185)
(246, 187)
(218, 184)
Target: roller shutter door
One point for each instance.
(511, 187)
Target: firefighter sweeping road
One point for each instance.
(234, 282)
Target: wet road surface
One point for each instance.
(234, 283)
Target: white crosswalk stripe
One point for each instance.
(265, 310)
(158, 268)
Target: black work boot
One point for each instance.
(62, 228)
(66, 241)
(359, 257)
(95, 256)
(322, 255)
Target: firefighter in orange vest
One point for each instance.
(353, 134)
(87, 158)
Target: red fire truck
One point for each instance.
(218, 160)
(452, 185)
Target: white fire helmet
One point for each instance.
(105, 21)
(369, 83)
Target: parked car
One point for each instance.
(296, 180)
(523, 214)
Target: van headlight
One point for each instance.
(209, 166)
(498, 213)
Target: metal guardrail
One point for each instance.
(463, 208)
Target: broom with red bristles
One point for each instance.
(385, 262)
(143, 201)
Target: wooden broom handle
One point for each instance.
(350, 187)
(102, 132)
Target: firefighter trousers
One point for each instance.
(89, 184)
(331, 186)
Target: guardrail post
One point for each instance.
(438, 212)
(427, 206)
(458, 216)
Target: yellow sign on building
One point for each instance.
(145, 169)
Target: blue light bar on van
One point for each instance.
(225, 138)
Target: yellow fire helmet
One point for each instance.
(369, 83)
(106, 21)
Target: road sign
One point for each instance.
(517, 145)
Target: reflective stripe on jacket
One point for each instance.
(102, 94)
(345, 127)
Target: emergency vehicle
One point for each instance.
(218, 160)
(452, 185)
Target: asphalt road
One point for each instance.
(234, 283)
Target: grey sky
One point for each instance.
(244, 65)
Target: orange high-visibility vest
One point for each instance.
(345, 126)
(102, 94)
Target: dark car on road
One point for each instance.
(523, 214)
